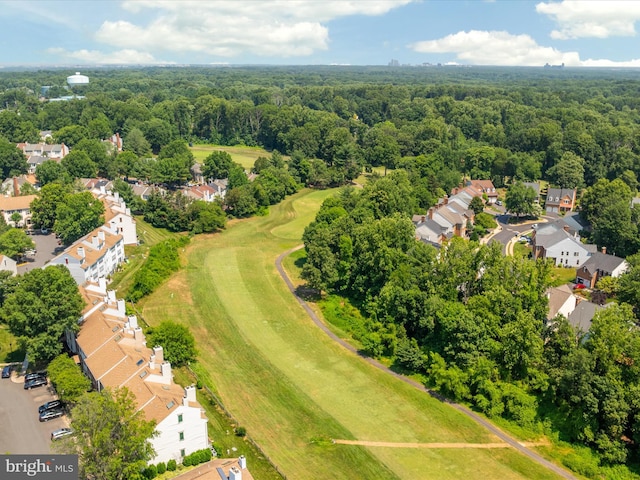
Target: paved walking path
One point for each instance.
(461, 408)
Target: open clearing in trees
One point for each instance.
(292, 387)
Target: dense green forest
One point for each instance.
(572, 127)
(468, 318)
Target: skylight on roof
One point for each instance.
(170, 405)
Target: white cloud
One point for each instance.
(282, 28)
(496, 48)
(599, 19)
(121, 57)
(504, 49)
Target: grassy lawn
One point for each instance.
(561, 275)
(245, 156)
(9, 351)
(291, 386)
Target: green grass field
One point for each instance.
(245, 156)
(291, 386)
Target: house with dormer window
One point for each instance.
(560, 200)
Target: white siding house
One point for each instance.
(95, 256)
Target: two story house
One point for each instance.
(566, 250)
(560, 200)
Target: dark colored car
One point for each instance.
(6, 371)
(52, 405)
(51, 414)
(32, 376)
(36, 382)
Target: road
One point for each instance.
(20, 429)
(461, 408)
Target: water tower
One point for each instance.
(77, 80)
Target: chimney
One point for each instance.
(101, 235)
(165, 370)
(566, 228)
(102, 284)
(16, 187)
(235, 473)
(103, 190)
(133, 321)
(138, 335)
(604, 250)
(430, 213)
(152, 362)
(159, 353)
(117, 197)
(242, 461)
(81, 252)
(111, 296)
(94, 242)
(423, 218)
(189, 394)
(446, 199)
(121, 307)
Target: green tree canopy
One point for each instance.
(110, 435)
(42, 306)
(218, 165)
(77, 215)
(51, 171)
(176, 340)
(12, 161)
(44, 208)
(568, 172)
(67, 377)
(519, 199)
(14, 242)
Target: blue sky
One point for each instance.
(310, 32)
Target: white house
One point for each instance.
(8, 264)
(113, 354)
(94, 256)
(562, 301)
(566, 250)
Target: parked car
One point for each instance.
(36, 382)
(61, 433)
(51, 414)
(6, 371)
(32, 376)
(52, 405)
(499, 203)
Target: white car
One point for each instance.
(61, 433)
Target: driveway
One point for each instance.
(20, 429)
(509, 231)
(46, 248)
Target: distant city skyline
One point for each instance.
(312, 32)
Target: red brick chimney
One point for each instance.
(16, 187)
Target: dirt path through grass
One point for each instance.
(433, 445)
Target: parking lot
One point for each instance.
(47, 247)
(20, 429)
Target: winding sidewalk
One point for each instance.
(461, 408)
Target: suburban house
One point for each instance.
(94, 256)
(200, 192)
(13, 186)
(486, 187)
(143, 191)
(535, 186)
(114, 143)
(113, 353)
(21, 205)
(560, 200)
(453, 218)
(56, 151)
(196, 173)
(117, 215)
(221, 469)
(562, 301)
(429, 231)
(600, 265)
(34, 160)
(8, 264)
(583, 314)
(572, 222)
(566, 250)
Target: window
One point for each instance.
(575, 254)
(181, 435)
(578, 262)
(180, 418)
(182, 452)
